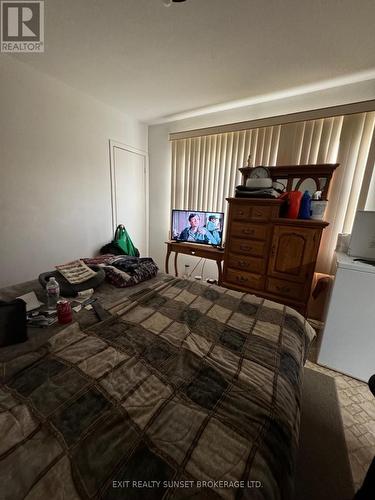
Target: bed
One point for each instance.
(188, 390)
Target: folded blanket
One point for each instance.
(123, 271)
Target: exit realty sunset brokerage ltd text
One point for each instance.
(186, 484)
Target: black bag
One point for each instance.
(121, 244)
(111, 248)
(13, 328)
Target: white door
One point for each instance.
(129, 178)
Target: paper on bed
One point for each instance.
(31, 300)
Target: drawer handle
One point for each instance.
(245, 247)
(240, 212)
(241, 279)
(248, 231)
(284, 289)
(242, 263)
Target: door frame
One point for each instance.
(120, 145)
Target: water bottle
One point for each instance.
(186, 272)
(53, 293)
(305, 207)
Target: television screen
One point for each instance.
(197, 226)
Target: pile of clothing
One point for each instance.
(250, 192)
(124, 270)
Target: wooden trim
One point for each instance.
(343, 109)
(284, 171)
(281, 221)
(257, 201)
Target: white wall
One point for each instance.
(160, 151)
(55, 202)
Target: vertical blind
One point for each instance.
(205, 169)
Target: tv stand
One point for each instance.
(195, 249)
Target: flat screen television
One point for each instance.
(197, 226)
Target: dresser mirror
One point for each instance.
(309, 178)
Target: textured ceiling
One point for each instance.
(151, 61)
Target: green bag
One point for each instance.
(123, 241)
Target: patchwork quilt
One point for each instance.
(187, 391)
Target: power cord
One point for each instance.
(199, 261)
(204, 263)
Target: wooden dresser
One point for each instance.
(270, 256)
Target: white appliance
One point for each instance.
(362, 241)
(348, 343)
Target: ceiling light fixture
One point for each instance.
(168, 3)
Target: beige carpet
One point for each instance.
(323, 468)
(357, 406)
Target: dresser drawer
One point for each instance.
(248, 230)
(246, 213)
(240, 212)
(261, 213)
(241, 278)
(246, 263)
(247, 247)
(286, 289)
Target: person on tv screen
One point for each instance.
(213, 227)
(195, 232)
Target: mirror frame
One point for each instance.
(300, 172)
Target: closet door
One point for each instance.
(129, 180)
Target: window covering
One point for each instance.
(205, 168)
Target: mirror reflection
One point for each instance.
(309, 185)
